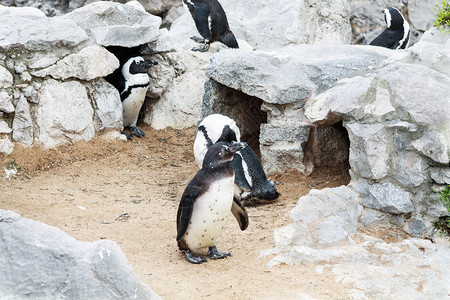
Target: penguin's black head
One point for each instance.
(220, 153)
(229, 39)
(140, 65)
(393, 18)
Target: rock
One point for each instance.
(113, 24)
(6, 78)
(63, 113)
(108, 106)
(282, 147)
(369, 153)
(41, 261)
(441, 176)
(88, 64)
(23, 131)
(410, 169)
(34, 31)
(48, 7)
(304, 22)
(6, 103)
(6, 146)
(157, 7)
(433, 51)
(329, 215)
(433, 145)
(4, 127)
(180, 89)
(386, 197)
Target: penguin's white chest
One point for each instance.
(132, 105)
(210, 215)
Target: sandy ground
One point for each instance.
(129, 192)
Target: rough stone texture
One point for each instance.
(69, 48)
(40, 261)
(63, 113)
(4, 127)
(88, 64)
(108, 107)
(114, 24)
(23, 131)
(31, 29)
(6, 146)
(324, 235)
(49, 7)
(284, 79)
(399, 144)
(297, 22)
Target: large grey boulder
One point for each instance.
(40, 261)
(31, 29)
(283, 80)
(278, 23)
(398, 121)
(324, 235)
(87, 64)
(114, 24)
(63, 113)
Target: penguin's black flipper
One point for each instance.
(240, 213)
(239, 175)
(185, 210)
(200, 16)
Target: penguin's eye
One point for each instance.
(227, 149)
(138, 63)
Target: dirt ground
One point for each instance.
(129, 191)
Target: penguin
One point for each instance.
(214, 128)
(206, 204)
(211, 22)
(396, 35)
(132, 83)
(251, 183)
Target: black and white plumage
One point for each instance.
(132, 83)
(396, 35)
(251, 182)
(211, 22)
(206, 204)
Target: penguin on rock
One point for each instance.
(251, 182)
(211, 22)
(206, 204)
(396, 35)
(132, 82)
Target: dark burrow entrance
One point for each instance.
(326, 147)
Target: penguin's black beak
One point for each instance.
(237, 146)
(150, 62)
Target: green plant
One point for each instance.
(444, 196)
(443, 16)
(443, 225)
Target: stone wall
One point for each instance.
(52, 88)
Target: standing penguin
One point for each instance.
(132, 83)
(396, 35)
(211, 22)
(206, 204)
(251, 182)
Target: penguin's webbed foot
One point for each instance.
(203, 48)
(129, 137)
(194, 259)
(198, 39)
(215, 254)
(136, 131)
